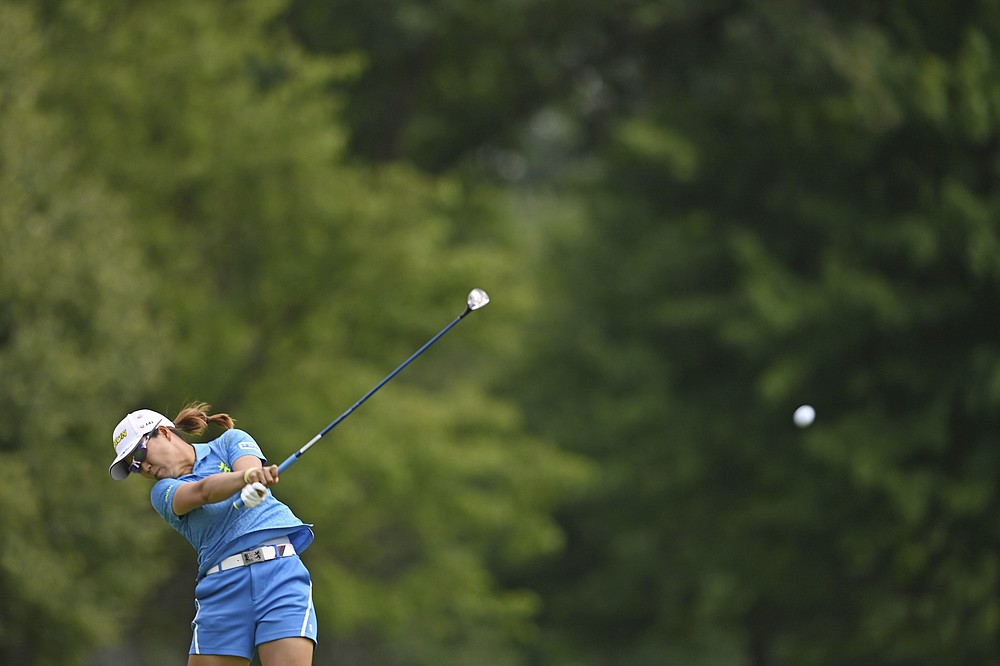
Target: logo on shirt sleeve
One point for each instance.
(248, 446)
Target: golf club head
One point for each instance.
(477, 299)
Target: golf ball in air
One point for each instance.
(804, 416)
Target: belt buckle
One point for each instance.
(251, 556)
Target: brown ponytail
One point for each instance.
(194, 418)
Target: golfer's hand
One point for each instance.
(268, 476)
(253, 494)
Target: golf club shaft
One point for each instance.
(295, 456)
(298, 454)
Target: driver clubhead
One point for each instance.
(477, 299)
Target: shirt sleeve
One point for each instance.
(242, 444)
(162, 498)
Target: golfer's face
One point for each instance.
(149, 457)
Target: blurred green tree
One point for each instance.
(774, 203)
(74, 331)
(287, 282)
(693, 216)
(799, 206)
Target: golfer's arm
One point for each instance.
(212, 489)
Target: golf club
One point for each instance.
(477, 299)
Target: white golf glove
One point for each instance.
(253, 494)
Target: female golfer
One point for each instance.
(252, 591)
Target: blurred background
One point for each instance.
(692, 216)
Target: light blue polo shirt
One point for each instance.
(219, 530)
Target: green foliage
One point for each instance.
(692, 217)
(823, 233)
(180, 223)
(73, 321)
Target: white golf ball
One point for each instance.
(804, 416)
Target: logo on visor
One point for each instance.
(119, 437)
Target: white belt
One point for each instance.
(268, 550)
